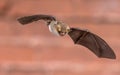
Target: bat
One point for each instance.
(79, 36)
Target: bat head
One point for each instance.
(59, 28)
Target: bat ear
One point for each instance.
(93, 42)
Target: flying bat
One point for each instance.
(79, 36)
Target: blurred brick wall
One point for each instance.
(33, 50)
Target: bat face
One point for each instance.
(62, 28)
(81, 37)
(59, 28)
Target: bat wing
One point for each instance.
(30, 19)
(93, 42)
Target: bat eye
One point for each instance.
(59, 29)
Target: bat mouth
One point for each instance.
(61, 33)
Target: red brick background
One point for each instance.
(33, 50)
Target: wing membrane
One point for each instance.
(93, 42)
(29, 19)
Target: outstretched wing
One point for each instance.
(93, 42)
(29, 19)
